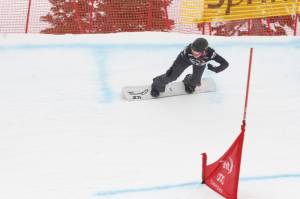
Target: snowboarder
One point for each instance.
(197, 54)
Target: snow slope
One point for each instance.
(66, 132)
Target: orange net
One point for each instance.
(210, 17)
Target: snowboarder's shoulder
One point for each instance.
(188, 48)
(211, 53)
(210, 50)
(187, 51)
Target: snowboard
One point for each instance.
(136, 93)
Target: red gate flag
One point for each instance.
(223, 175)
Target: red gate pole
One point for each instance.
(247, 88)
(214, 174)
(28, 16)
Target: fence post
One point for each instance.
(28, 16)
(167, 22)
(149, 18)
(295, 26)
(91, 15)
(249, 27)
(78, 16)
(268, 26)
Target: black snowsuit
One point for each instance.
(184, 60)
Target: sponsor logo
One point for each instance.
(144, 92)
(214, 55)
(216, 186)
(220, 178)
(136, 97)
(227, 165)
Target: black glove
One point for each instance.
(154, 92)
(187, 85)
(211, 67)
(189, 88)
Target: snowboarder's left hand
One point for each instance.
(211, 67)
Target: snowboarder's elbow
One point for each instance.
(226, 64)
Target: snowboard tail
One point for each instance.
(135, 93)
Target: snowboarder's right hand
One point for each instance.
(187, 85)
(154, 92)
(189, 88)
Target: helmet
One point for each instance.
(199, 44)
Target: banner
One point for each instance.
(199, 11)
(223, 175)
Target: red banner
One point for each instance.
(223, 175)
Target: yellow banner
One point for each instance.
(197, 11)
